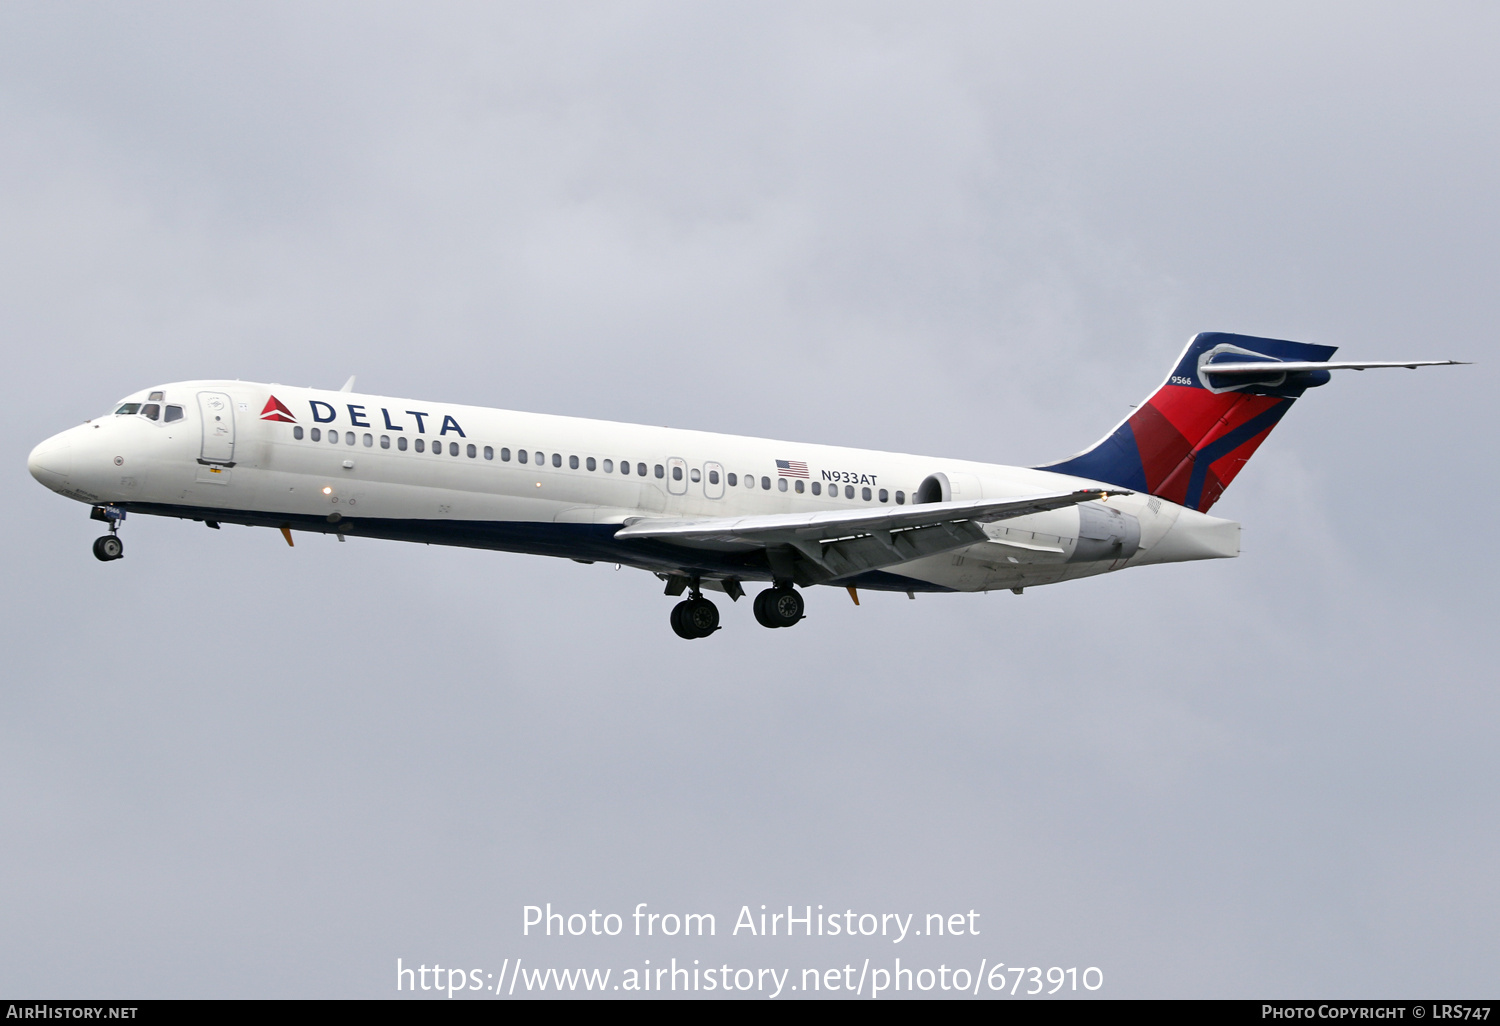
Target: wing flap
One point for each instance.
(837, 543)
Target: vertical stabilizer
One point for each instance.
(1190, 438)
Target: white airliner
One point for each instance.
(700, 510)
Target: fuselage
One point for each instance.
(374, 466)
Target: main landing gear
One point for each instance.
(695, 617)
(109, 547)
(778, 607)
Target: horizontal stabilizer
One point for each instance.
(1296, 366)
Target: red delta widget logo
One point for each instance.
(276, 410)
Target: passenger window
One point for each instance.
(848, 491)
(369, 440)
(472, 451)
(348, 437)
(128, 410)
(625, 467)
(333, 437)
(419, 445)
(541, 459)
(732, 479)
(713, 476)
(640, 468)
(504, 455)
(151, 411)
(799, 486)
(901, 498)
(781, 484)
(401, 443)
(676, 474)
(522, 456)
(765, 483)
(885, 496)
(591, 464)
(609, 466)
(385, 441)
(297, 432)
(316, 435)
(661, 472)
(489, 452)
(557, 459)
(155, 397)
(817, 488)
(453, 449)
(864, 493)
(572, 462)
(749, 480)
(175, 413)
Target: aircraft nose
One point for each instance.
(51, 463)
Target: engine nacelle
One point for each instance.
(1105, 533)
(947, 487)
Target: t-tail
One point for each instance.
(1191, 437)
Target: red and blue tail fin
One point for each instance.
(1191, 437)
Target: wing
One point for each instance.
(838, 543)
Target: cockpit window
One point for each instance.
(155, 397)
(173, 413)
(128, 410)
(151, 411)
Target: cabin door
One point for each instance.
(217, 411)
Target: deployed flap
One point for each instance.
(840, 543)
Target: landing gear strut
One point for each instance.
(109, 547)
(695, 617)
(778, 607)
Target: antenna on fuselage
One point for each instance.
(348, 385)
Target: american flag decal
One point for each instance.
(791, 468)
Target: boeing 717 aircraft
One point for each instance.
(702, 511)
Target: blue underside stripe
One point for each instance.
(594, 542)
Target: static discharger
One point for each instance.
(854, 594)
(286, 532)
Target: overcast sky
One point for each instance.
(230, 768)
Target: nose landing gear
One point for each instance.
(109, 547)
